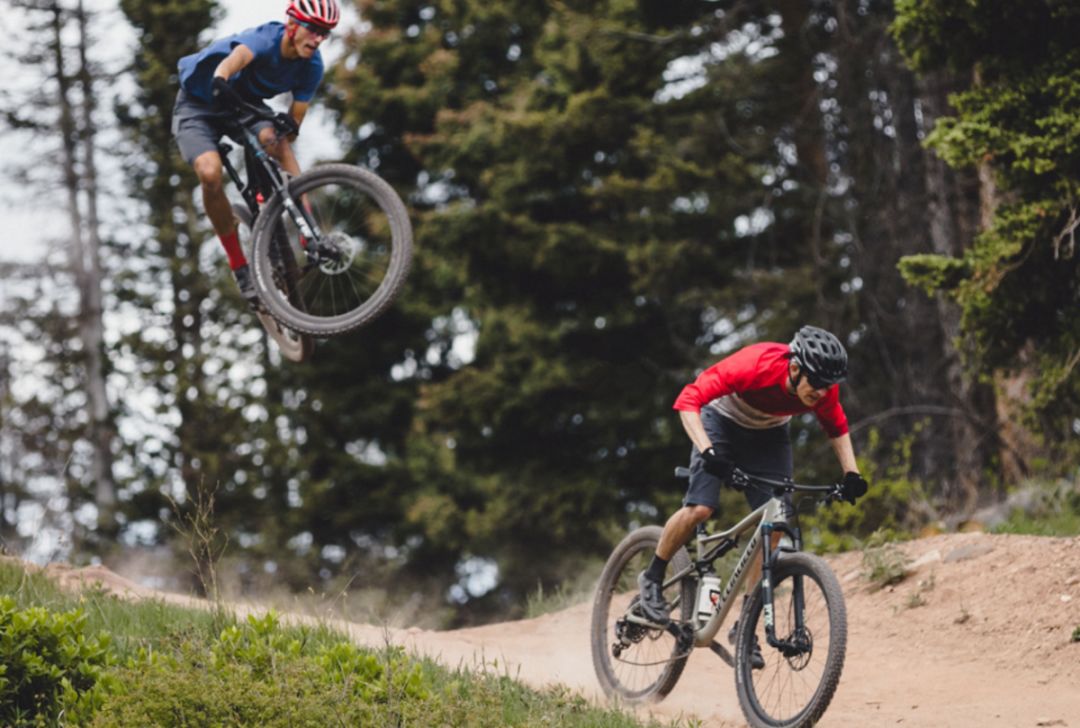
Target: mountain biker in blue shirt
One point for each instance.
(253, 65)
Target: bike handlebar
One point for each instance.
(743, 479)
(225, 95)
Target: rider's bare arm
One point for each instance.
(845, 453)
(691, 422)
(298, 110)
(235, 62)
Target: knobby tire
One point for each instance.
(769, 697)
(628, 682)
(394, 250)
(293, 345)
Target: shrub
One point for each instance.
(896, 503)
(883, 563)
(48, 666)
(260, 674)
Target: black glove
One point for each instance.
(224, 95)
(716, 464)
(853, 487)
(286, 124)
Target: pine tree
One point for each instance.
(1016, 280)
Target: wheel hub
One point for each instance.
(337, 252)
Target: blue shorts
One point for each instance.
(198, 126)
(759, 452)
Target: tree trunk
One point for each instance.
(91, 324)
(1017, 445)
(808, 135)
(69, 163)
(954, 215)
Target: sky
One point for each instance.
(35, 222)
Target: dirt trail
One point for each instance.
(980, 635)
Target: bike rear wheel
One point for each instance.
(293, 345)
(356, 264)
(793, 691)
(650, 660)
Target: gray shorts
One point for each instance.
(198, 126)
(759, 452)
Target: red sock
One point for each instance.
(233, 251)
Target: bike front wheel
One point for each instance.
(356, 260)
(634, 662)
(795, 686)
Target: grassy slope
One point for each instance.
(176, 666)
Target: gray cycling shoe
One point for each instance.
(652, 603)
(246, 285)
(757, 660)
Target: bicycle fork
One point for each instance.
(798, 642)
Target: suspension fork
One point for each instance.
(768, 557)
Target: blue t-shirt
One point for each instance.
(266, 76)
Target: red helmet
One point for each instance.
(324, 13)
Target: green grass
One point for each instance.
(579, 589)
(173, 665)
(1062, 523)
(1054, 511)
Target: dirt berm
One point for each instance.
(979, 634)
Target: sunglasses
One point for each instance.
(817, 383)
(314, 29)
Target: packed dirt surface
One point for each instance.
(980, 634)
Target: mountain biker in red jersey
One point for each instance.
(736, 413)
(253, 65)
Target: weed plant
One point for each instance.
(573, 591)
(883, 563)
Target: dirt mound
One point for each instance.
(979, 634)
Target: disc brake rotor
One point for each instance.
(341, 250)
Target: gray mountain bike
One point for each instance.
(796, 615)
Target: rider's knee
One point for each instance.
(700, 513)
(274, 144)
(208, 170)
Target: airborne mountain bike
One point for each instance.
(796, 614)
(330, 248)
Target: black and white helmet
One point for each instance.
(820, 356)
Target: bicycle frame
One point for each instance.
(264, 172)
(774, 516)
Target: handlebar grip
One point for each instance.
(739, 478)
(223, 93)
(286, 124)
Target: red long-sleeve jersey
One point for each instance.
(750, 387)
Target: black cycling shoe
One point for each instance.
(246, 285)
(652, 603)
(757, 660)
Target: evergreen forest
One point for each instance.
(607, 197)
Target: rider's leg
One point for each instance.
(280, 149)
(701, 500)
(679, 528)
(209, 171)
